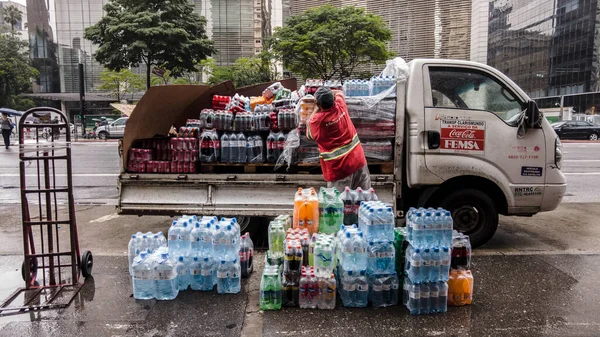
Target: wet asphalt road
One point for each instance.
(538, 276)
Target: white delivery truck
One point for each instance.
(467, 138)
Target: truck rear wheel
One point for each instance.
(474, 214)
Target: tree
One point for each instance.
(245, 71)
(16, 73)
(119, 83)
(329, 42)
(160, 33)
(12, 15)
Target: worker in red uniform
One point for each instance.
(342, 158)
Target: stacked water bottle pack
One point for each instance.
(271, 292)
(376, 220)
(460, 282)
(427, 262)
(352, 256)
(202, 252)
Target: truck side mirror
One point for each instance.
(532, 114)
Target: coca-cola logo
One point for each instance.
(463, 134)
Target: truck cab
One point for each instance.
(470, 149)
(467, 139)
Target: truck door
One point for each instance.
(471, 123)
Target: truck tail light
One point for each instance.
(558, 153)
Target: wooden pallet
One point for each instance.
(303, 168)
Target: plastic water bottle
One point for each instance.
(223, 279)
(445, 264)
(376, 292)
(442, 304)
(162, 241)
(195, 239)
(183, 273)
(359, 246)
(241, 145)
(414, 299)
(361, 298)
(434, 297)
(219, 238)
(448, 227)
(132, 251)
(424, 302)
(427, 230)
(194, 271)
(417, 230)
(426, 267)
(347, 253)
(185, 242)
(436, 264)
(143, 284)
(204, 278)
(173, 238)
(348, 289)
(165, 276)
(438, 229)
(235, 277)
(416, 265)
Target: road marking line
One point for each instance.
(582, 174)
(64, 175)
(105, 218)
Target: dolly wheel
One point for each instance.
(87, 263)
(32, 270)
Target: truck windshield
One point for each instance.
(469, 89)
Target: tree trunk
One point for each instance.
(147, 76)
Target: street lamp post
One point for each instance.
(82, 104)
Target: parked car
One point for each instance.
(577, 130)
(115, 129)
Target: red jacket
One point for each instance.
(340, 151)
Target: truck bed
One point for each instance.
(223, 194)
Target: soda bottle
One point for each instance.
(266, 290)
(347, 199)
(225, 158)
(280, 144)
(303, 301)
(313, 290)
(272, 148)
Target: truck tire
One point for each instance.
(474, 214)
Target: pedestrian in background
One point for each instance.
(6, 125)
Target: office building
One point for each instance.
(21, 26)
(237, 27)
(550, 48)
(425, 28)
(42, 47)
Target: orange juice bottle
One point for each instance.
(297, 205)
(468, 290)
(452, 281)
(312, 219)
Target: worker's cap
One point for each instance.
(324, 98)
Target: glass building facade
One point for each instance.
(548, 47)
(238, 27)
(422, 29)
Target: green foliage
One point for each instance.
(245, 71)
(330, 42)
(120, 83)
(160, 33)
(12, 15)
(16, 73)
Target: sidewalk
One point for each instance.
(533, 279)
